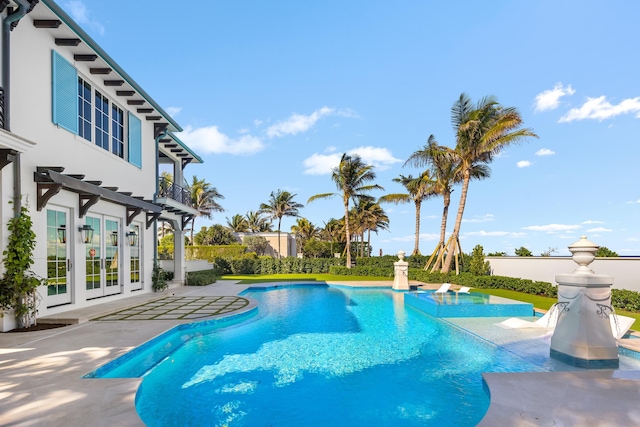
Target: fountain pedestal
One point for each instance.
(583, 336)
(401, 273)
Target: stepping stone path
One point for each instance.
(174, 308)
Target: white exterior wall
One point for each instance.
(287, 242)
(625, 271)
(31, 118)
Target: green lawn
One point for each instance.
(261, 278)
(545, 303)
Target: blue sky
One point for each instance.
(270, 94)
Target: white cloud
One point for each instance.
(321, 164)
(483, 233)
(81, 15)
(484, 218)
(601, 109)
(545, 152)
(632, 239)
(210, 140)
(552, 227)
(411, 238)
(257, 122)
(589, 221)
(550, 99)
(523, 164)
(298, 123)
(598, 230)
(172, 111)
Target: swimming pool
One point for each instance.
(317, 355)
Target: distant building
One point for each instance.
(287, 242)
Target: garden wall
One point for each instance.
(624, 270)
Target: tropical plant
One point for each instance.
(158, 278)
(482, 132)
(522, 251)
(216, 235)
(304, 230)
(477, 264)
(203, 199)
(368, 216)
(332, 231)
(280, 204)
(257, 223)
(315, 248)
(604, 252)
(18, 287)
(497, 254)
(238, 224)
(418, 190)
(257, 244)
(351, 177)
(549, 251)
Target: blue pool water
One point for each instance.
(474, 304)
(318, 356)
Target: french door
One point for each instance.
(135, 255)
(101, 257)
(58, 258)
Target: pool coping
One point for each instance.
(41, 378)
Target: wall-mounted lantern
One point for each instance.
(114, 238)
(87, 233)
(62, 234)
(133, 238)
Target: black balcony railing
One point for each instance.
(170, 190)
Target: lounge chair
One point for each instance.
(620, 325)
(464, 290)
(546, 321)
(443, 289)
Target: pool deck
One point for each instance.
(41, 373)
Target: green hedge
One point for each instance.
(625, 300)
(201, 278)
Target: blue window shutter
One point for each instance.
(135, 141)
(65, 93)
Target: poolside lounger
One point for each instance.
(622, 325)
(464, 290)
(443, 289)
(619, 327)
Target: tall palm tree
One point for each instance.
(305, 231)
(351, 177)
(257, 223)
(280, 204)
(203, 199)
(238, 223)
(418, 190)
(482, 131)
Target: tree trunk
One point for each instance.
(279, 253)
(193, 225)
(456, 229)
(443, 230)
(368, 243)
(346, 231)
(416, 245)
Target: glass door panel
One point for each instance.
(134, 242)
(58, 262)
(93, 259)
(112, 262)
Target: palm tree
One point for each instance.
(372, 218)
(351, 177)
(331, 230)
(482, 132)
(305, 231)
(203, 199)
(238, 223)
(418, 190)
(257, 223)
(280, 204)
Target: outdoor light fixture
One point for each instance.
(133, 238)
(62, 234)
(114, 238)
(87, 233)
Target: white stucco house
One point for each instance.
(287, 242)
(81, 144)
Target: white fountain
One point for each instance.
(582, 336)
(401, 273)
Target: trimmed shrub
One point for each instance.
(201, 278)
